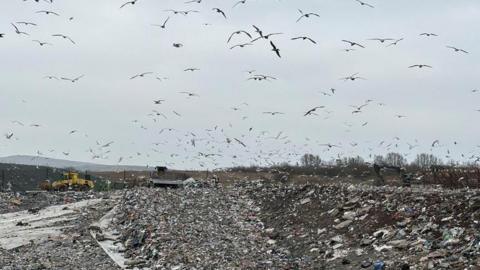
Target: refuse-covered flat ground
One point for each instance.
(265, 225)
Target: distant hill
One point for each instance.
(63, 164)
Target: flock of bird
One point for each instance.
(214, 145)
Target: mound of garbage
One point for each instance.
(52, 237)
(354, 227)
(201, 228)
(263, 225)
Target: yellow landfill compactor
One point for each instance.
(70, 181)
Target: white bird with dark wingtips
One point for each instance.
(306, 15)
(305, 38)
(220, 11)
(18, 31)
(457, 49)
(420, 66)
(141, 75)
(47, 12)
(364, 4)
(64, 37)
(162, 25)
(352, 43)
(73, 80)
(238, 33)
(133, 2)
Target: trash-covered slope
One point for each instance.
(72, 248)
(264, 226)
(198, 228)
(353, 227)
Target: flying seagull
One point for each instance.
(306, 15)
(241, 45)
(382, 40)
(429, 34)
(273, 113)
(184, 13)
(261, 35)
(240, 142)
(41, 43)
(18, 31)
(395, 42)
(190, 94)
(47, 12)
(258, 31)
(457, 49)
(220, 11)
(162, 25)
(64, 36)
(359, 107)
(329, 145)
(305, 38)
(420, 66)
(140, 75)
(275, 49)
(72, 80)
(240, 2)
(260, 77)
(238, 33)
(353, 77)
(352, 43)
(311, 111)
(364, 4)
(133, 2)
(27, 23)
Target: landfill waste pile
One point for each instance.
(365, 227)
(260, 225)
(71, 249)
(14, 201)
(257, 225)
(195, 228)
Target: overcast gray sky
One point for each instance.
(113, 44)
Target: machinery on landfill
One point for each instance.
(71, 180)
(406, 178)
(163, 178)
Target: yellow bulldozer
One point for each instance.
(70, 180)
